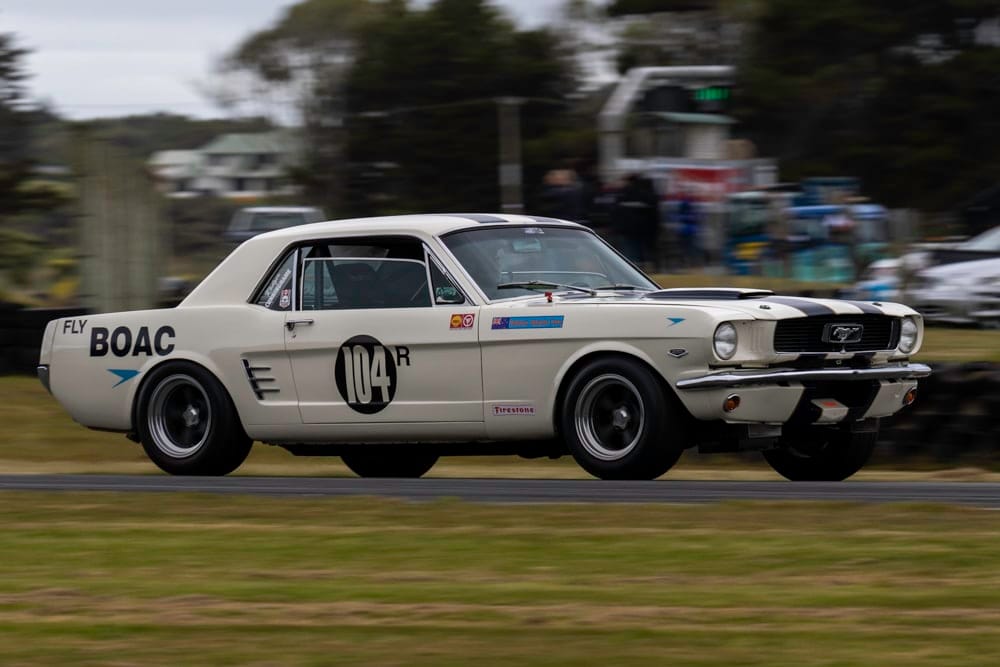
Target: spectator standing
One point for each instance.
(689, 228)
(636, 219)
(562, 196)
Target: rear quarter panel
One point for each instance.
(98, 362)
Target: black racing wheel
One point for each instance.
(187, 423)
(618, 421)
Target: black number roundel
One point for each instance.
(365, 373)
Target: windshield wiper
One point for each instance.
(625, 287)
(537, 284)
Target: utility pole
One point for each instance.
(120, 228)
(509, 119)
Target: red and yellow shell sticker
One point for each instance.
(463, 320)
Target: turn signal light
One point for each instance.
(731, 403)
(909, 397)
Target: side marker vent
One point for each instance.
(256, 379)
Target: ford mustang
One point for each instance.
(393, 341)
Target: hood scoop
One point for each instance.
(709, 294)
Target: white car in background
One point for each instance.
(251, 221)
(392, 341)
(961, 293)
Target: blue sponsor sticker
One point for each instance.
(537, 322)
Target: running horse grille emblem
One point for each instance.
(842, 333)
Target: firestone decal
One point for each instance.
(366, 373)
(122, 343)
(513, 410)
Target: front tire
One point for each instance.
(187, 423)
(821, 455)
(619, 423)
(371, 462)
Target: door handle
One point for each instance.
(291, 324)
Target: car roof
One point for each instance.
(278, 209)
(430, 223)
(241, 270)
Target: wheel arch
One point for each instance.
(587, 355)
(207, 367)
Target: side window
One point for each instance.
(444, 289)
(277, 292)
(365, 273)
(318, 292)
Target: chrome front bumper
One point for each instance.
(741, 378)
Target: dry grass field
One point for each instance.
(169, 579)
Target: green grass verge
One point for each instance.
(960, 345)
(159, 579)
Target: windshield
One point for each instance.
(501, 255)
(987, 241)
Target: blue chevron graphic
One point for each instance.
(675, 320)
(124, 373)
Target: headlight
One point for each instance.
(725, 340)
(907, 335)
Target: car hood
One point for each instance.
(747, 304)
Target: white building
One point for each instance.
(236, 166)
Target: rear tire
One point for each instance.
(821, 455)
(619, 423)
(187, 423)
(371, 462)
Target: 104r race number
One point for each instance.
(366, 373)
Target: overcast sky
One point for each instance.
(115, 57)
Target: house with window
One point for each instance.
(235, 166)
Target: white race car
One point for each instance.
(393, 341)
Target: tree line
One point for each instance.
(398, 101)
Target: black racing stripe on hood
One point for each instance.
(809, 308)
(866, 308)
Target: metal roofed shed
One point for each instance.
(251, 142)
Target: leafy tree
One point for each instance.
(897, 92)
(398, 102)
(630, 7)
(304, 59)
(436, 74)
(15, 121)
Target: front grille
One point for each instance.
(805, 334)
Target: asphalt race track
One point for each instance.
(979, 494)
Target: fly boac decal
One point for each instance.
(123, 343)
(366, 373)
